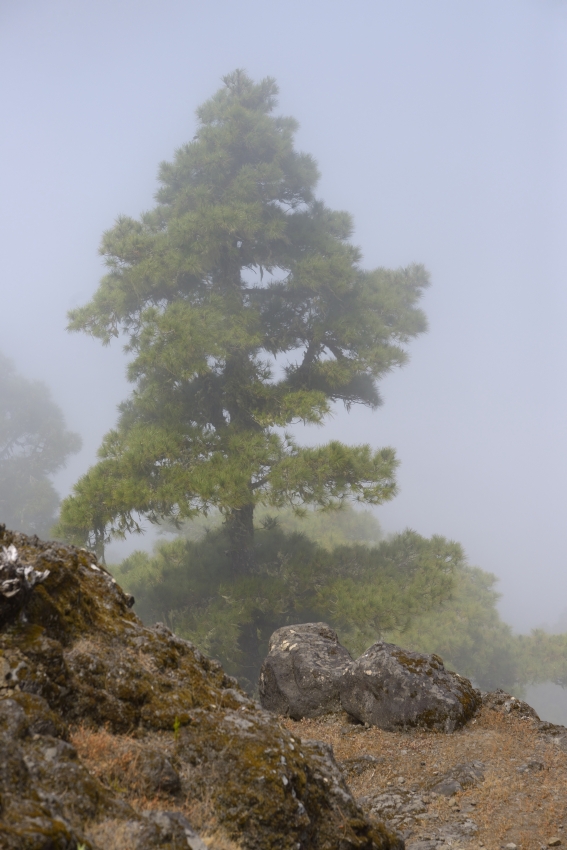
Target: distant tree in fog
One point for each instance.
(34, 444)
(246, 311)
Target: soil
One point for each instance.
(521, 801)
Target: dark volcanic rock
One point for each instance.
(302, 673)
(77, 666)
(393, 688)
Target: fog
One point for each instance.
(441, 126)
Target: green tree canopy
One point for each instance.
(34, 444)
(246, 310)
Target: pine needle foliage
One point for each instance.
(245, 311)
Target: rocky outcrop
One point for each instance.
(307, 673)
(114, 735)
(394, 688)
(302, 674)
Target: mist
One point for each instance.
(440, 127)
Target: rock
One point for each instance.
(302, 673)
(460, 777)
(531, 765)
(307, 673)
(554, 842)
(394, 688)
(499, 700)
(97, 711)
(357, 765)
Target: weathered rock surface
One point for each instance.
(302, 674)
(458, 778)
(499, 700)
(77, 665)
(393, 688)
(307, 673)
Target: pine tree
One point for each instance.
(245, 310)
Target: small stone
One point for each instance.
(554, 842)
(511, 846)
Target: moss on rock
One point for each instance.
(74, 654)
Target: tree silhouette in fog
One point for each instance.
(34, 444)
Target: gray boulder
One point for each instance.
(394, 688)
(301, 676)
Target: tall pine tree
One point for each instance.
(246, 311)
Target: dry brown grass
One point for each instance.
(113, 760)
(526, 809)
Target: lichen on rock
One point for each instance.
(76, 663)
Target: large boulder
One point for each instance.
(394, 688)
(114, 735)
(301, 676)
(307, 673)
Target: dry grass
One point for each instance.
(526, 809)
(113, 760)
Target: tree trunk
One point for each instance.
(241, 536)
(98, 545)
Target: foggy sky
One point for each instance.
(441, 126)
